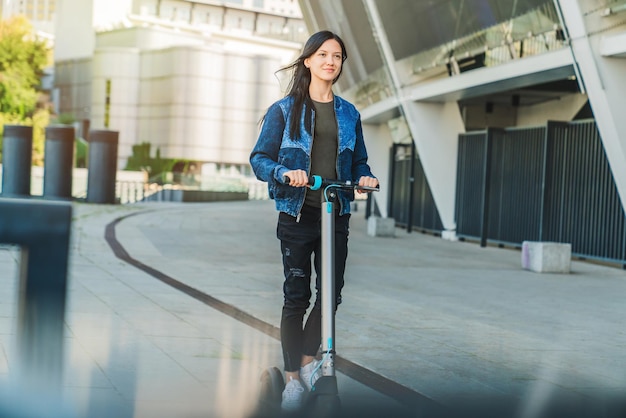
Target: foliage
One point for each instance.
(156, 167)
(140, 158)
(65, 119)
(82, 149)
(22, 60)
(39, 121)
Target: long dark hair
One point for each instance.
(299, 85)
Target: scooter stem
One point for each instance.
(328, 284)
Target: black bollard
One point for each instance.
(17, 156)
(102, 166)
(58, 161)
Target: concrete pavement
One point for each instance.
(181, 320)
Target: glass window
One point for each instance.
(415, 26)
(349, 20)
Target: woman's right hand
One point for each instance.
(297, 178)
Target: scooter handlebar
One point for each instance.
(316, 182)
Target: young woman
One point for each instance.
(309, 131)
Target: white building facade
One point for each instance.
(41, 13)
(191, 78)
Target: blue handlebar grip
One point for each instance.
(317, 182)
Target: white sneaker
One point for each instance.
(292, 395)
(310, 373)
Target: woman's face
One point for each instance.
(325, 63)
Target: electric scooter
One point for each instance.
(323, 399)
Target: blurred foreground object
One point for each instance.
(42, 231)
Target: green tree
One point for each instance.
(156, 167)
(22, 60)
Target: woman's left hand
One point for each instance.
(367, 182)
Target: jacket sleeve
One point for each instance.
(264, 156)
(360, 167)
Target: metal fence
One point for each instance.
(583, 206)
(411, 203)
(550, 183)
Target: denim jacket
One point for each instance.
(275, 153)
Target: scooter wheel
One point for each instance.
(272, 385)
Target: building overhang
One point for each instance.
(514, 75)
(614, 46)
(526, 72)
(382, 111)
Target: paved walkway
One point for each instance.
(188, 325)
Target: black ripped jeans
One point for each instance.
(298, 242)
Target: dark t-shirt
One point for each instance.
(324, 150)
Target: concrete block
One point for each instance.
(381, 227)
(449, 235)
(546, 257)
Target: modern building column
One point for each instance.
(379, 140)
(115, 95)
(435, 128)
